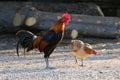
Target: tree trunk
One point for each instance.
(104, 27)
(16, 17)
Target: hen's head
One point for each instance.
(65, 18)
(75, 45)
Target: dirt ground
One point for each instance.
(104, 66)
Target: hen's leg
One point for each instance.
(76, 62)
(82, 62)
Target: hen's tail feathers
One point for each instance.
(25, 39)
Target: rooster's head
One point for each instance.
(65, 18)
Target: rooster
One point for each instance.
(81, 49)
(46, 43)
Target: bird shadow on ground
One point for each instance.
(69, 56)
(101, 57)
(24, 71)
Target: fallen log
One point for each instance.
(29, 18)
(95, 30)
(9, 9)
(104, 27)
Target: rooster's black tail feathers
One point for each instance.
(25, 39)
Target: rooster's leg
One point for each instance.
(46, 56)
(24, 52)
(47, 63)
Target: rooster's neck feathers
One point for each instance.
(58, 26)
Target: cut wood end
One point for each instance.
(98, 22)
(17, 20)
(30, 21)
(58, 17)
(117, 23)
(74, 34)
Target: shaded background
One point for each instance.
(109, 7)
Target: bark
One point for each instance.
(16, 17)
(104, 27)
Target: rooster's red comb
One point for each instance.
(66, 18)
(66, 15)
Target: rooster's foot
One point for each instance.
(50, 68)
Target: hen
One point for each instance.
(81, 49)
